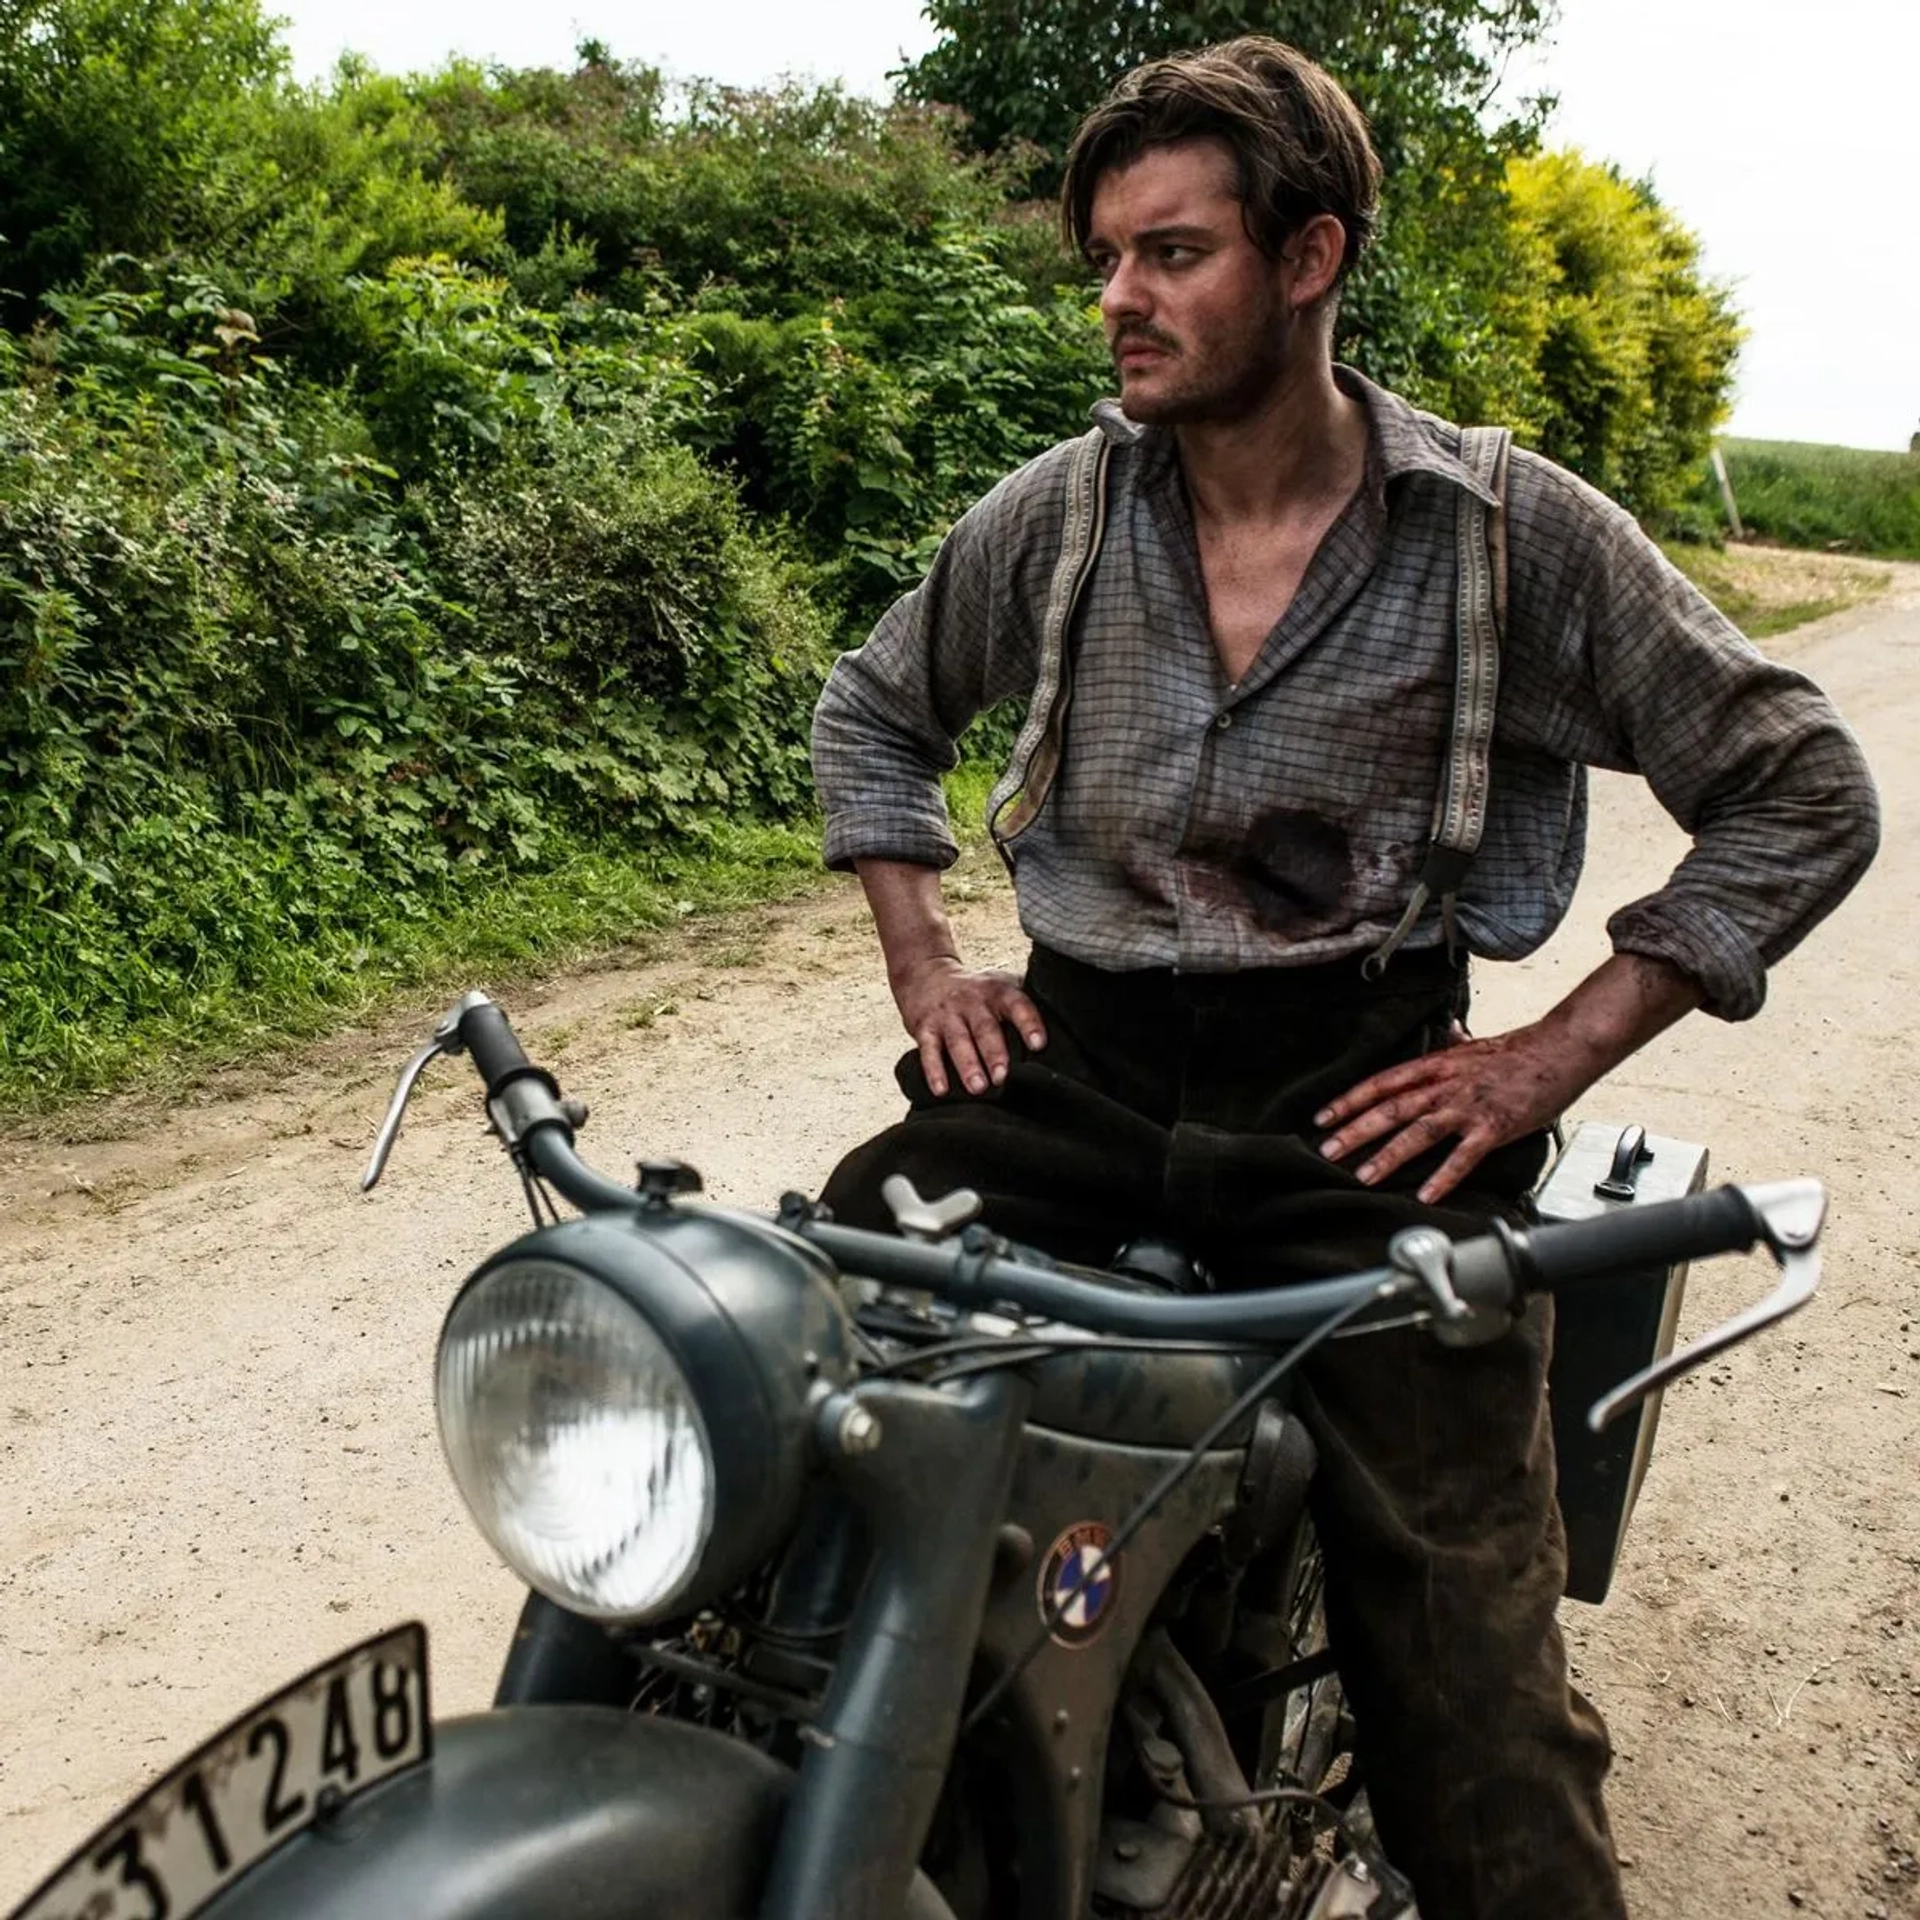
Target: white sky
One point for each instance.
(1783, 135)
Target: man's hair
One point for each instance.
(1300, 146)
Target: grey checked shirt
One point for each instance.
(1282, 820)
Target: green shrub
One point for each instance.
(764, 202)
(1632, 347)
(875, 422)
(259, 704)
(119, 127)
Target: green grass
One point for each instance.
(586, 902)
(1769, 590)
(1839, 499)
(54, 1048)
(967, 789)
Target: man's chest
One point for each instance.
(1249, 579)
(1339, 714)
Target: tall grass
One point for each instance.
(1842, 499)
(587, 901)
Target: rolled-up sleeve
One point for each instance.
(965, 638)
(1747, 755)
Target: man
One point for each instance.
(1218, 1036)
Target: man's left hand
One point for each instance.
(1484, 1093)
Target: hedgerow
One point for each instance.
(428, 505)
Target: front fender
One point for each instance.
(529, 1813)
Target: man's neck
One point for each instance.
(1301, 447)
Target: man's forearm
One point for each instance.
(909, 914)
(957, 1016)
(1616, 1010)
(1486, 1093)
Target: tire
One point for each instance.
(1307, 1738)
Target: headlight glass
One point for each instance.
(575, 1439)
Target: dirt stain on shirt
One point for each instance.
(1291, 872)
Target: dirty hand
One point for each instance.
(1485, 1093)
(956, 1014)
(1482, 1093)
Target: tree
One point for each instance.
(1027, 70)
(115, 115)
(1418, 314)
(1634, 346)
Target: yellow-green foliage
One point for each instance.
(1631, 347)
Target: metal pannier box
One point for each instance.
(1605, 1330)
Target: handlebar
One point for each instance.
(498, 1057)
(1469, 1287)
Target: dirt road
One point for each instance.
(219, 1459)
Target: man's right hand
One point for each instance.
(958, 1015)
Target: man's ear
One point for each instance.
(1314, 252)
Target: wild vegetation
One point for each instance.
(1841, 499)
(428, 504)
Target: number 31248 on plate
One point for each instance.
(293, 1760)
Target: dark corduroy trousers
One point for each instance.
(1181, 1105)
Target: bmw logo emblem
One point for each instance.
(1078, 1584)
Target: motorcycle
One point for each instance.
(869, 1575)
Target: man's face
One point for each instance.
(1197, 317)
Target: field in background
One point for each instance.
(1838, 499)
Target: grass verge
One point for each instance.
(1769, 590)
(587, 902)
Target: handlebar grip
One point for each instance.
(1694, 1227)
(485, 1034)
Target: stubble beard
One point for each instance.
(1226, 381)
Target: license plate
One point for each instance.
(346, 1726)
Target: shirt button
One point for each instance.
(1223, 722)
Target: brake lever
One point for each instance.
(446, 1039)
(1791, 1214)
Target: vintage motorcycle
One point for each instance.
(871, 1575)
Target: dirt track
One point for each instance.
(217, 1430)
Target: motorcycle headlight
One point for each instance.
(575, 1439)
(624, 1405)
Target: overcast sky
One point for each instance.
(1789, 150)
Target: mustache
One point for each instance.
(1139, 335)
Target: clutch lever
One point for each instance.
(1791, 1214)
(446, 1039)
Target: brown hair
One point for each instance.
(1300, 146)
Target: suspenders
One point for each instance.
(1022, 789)
(1480, 618)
